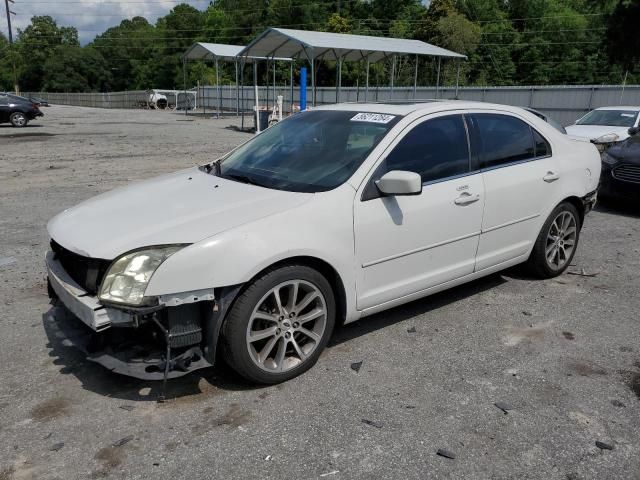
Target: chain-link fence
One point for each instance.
(564, 103)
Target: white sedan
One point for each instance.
(606, 124)
(327, 217)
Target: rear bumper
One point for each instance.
(34, 115)
(589, 201)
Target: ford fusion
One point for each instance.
(327, 217)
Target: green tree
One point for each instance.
(177, 31)
(6, 69)
(75, 69)
(622, 40)
(129, 50)
(36, 43)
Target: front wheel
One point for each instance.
(557, 242)
(280, 324)
(18, 119)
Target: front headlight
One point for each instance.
(127, 278)
(608, 159)
(607, 138)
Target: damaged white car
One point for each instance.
(327, 217)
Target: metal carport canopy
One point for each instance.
(284, 42)
(216, 52)
(221, 51)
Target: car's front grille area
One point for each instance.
(86, 272)
(627, 173)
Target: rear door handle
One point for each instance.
(466, 198)
(551, 177)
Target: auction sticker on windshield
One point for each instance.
(373, 117)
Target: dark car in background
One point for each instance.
(620, 176)
(41, 102)
(18, 111)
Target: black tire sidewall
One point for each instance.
(538, 260)
(234, 329)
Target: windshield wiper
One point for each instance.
(244, 179)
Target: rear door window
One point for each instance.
(503, 139)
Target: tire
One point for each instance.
(18, 119)
(557, 242)
(288, 342)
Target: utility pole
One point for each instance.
(13, 60)
(9, 12)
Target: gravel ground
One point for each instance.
(563, 354)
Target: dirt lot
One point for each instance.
(563, 354)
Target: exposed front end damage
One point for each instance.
(170, 339)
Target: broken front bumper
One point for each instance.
(86, 307)
(133, 343)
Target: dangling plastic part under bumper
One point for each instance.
(136, 352)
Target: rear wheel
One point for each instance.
(18, 119)
(557, 242)
(280, 324)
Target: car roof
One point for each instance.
(426, 106)
(637, 109)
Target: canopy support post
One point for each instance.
(237, 90)
(415, 79)
(242, 65)
(313, 81)
(438, 78)
(184, 81)
(366, 88)
(393, 74)
(311, 59)
(291, 87)
(218, 87)
(457, 79)
(266, 102)
(255, 93)
(339, 86)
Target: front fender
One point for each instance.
(321, 228)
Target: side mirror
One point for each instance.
(399, 182)
(633, 130)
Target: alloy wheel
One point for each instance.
(286, 326)
(561, 240)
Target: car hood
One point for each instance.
(591, 132)
(182, 207)
(629, 150)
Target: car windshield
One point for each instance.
(312, 151)
(610, 118)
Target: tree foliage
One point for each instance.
(514, 42)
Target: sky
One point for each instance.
(90, 17)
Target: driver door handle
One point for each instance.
(551, 177)
(466, 198)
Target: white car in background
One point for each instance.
(327, 217)
(606, 124)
